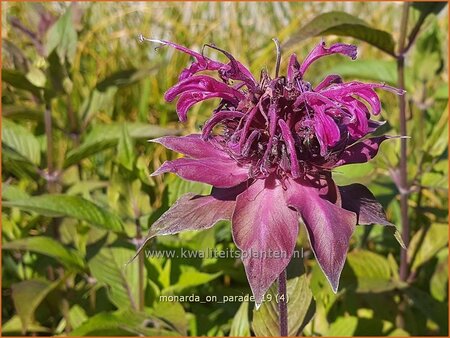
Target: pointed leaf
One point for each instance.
(27, 295)
(109, 268)
(439, 280)
(21, 141)
(189, 278)
(300, 309)
(62, 37)
(124, 78)
(240, 326)
(344, 24)
(69, 206)
(367, 69)
(174, 314)
(343, 327)
(429, 7)
(429, 307)
(49, 247)
(120, 323)
(18, 80)
(13, 327)
(372, 271)
(125, 149)
(12, 192)
(430, 241)
(104, 136)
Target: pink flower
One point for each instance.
(270, 162)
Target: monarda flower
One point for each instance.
(268, 150)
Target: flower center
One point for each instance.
(273, 130)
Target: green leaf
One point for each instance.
(59, 82)
(36, 77)
(190, 277)
(343, 327)
(172, 313)
(119, 323)
(399, 333)
(354, 173)
(300, 309)
(437, 142)
(372, 271)
(86, 150)
(373, 70)
(240, 326)
(441, 93)
(49, 247)
(77, 316)
(125, 149)
(430, 240)
(427, 60)
(177, 187)
(344, 24)
(429, 7)
(21, 141)
(56, 205)
(27, 296)
(125, 77)
(429, 307)
(62, 37)
(19, 80)
(439, 280)
(95, 102)
(12, 192)
(109, 267)
(105, 136)
(13, 327)
(16, 112)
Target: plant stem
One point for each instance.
(282, 304)
(404, 189)
(140, 267)
(49, 135)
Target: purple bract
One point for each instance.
(268, 150)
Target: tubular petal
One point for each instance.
(293, 67)
(219, 172)
(217, 118)
(326, 129)
(191, 145)
(320, 50)
(188, 99)
(329, 80)
(247, 124)
(201, 83)
(287, 136)
(202, 62)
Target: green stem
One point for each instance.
(140, 267)
(51, 187)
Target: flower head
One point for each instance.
(268, 150)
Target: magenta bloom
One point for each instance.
(268, 150)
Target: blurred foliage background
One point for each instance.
(80, 99)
